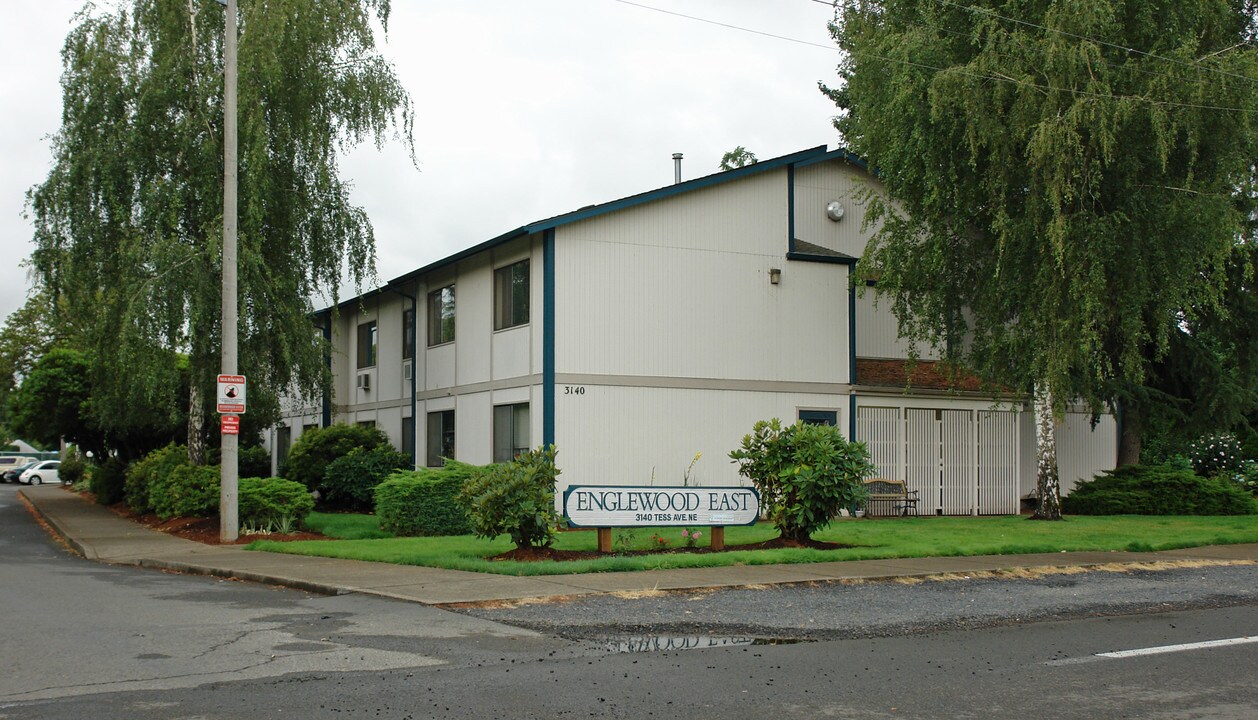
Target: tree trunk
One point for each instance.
(1046, 484)
(1130, 434)
(196, 426)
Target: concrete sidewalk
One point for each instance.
(98, 534)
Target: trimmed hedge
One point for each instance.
(271, 503)
(186, 491)
(1158, 490)
(73, 469)
(349, 482)
(423, 502)
(143, 474)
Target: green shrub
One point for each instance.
(186, 491)
(109, 481)
(273, 503)
(144, 473)
(315, 449)
(253, 462)
(805, 474)
(516, 498)
(425, 502)
(1216, 454)
(73, 468)
(350, 481)
(1247, 476)
(1158, 490)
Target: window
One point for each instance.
(366, 423)
(367, 342)
(441, 316)
(440, 437)
(408, 435)
(819, 417)
(283, 441)
(511, 431)
(511, 295)
(408, 334)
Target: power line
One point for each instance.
(729, 26)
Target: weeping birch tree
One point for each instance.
(1065, 181)
(128, 222)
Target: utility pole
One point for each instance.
(229, 522)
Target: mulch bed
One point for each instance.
(202, 530)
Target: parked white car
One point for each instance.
(46, 472)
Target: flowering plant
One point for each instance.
(660, 542)
(1216, 454)
(690, 538)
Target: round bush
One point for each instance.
(143, 474)
(186, 491)
(315, 449)
(73, 468)
(349, 482)
(805, 474)
(273, 503)
(1158, 490)
(516, 498)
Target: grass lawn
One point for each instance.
(869, 539)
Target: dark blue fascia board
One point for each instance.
(839, 154)
(803, 157)
(678, 189)
(832, 259)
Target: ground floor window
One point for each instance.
(511, 431)
(440, 437)
(819, 417)
(408, 436)
(283, 441)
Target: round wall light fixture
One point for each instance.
(834, 210)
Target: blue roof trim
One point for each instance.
(797, 159)
(680, 188)
(839, 154)
(832, 259)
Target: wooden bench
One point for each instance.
(884, 494)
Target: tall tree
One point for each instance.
(1065, 180)
(128, 222)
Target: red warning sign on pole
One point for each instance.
(231, 393)
(231, 424)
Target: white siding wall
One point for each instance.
(877, 333)
(618, 435)
(680, 288)
(815, 186)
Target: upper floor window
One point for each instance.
(511, 295)
(408, 334)
(368, 339)
(441, 316)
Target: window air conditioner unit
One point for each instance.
(406, 371)
(364, 381)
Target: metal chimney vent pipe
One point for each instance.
(676, 168)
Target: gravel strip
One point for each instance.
(820, 611)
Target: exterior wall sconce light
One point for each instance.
(775, 276)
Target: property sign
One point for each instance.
(231, 425)
(231, 393)
(608, 506)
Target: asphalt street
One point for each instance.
(86, 640)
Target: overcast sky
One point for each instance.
(524, 110)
